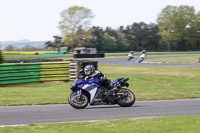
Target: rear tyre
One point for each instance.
(140, 60)
(128, 100)
(78, 102)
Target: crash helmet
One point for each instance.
(131, 52)
(143, 51)
(89, 69)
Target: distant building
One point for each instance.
(84, 50)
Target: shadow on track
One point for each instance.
(115, 106)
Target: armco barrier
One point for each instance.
(54, 71)
(33, 60)
(34, 72)
(43, 71)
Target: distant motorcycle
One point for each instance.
(141, 58)
(130, 55)
(91, 92)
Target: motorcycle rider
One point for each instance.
(91, 72)
(130, 55)
(143, 54)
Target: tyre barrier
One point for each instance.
(56, 53)
(98, 55)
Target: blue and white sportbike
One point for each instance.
(141, 58)
(91, 92)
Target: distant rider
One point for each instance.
(143, 54)
(130, 55)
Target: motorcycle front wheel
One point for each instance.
(78, 102)
(129, 58)
(128, 99)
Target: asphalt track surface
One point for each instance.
(123, 62)
(17, 115)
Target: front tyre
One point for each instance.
(78, 102)
(127, 99)
(129, 58)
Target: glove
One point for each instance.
(87, 78)
(103, 78)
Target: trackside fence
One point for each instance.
(34, 72)
(41, 71)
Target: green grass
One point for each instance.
(35, 93)
(155, 83)
(175, 59)
(148, 83)
(173, 124)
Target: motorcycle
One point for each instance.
(141, 58)
(130, 57)
(91, 92)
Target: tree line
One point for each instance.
(177, 29)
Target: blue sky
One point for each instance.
(37, 20)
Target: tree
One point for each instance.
(152, 39)
(1, 57)
(193, 33)
(121, 41)
(135, 34)
(173, 22)
(82, 38)
(75, 20)
(109, 43)
(9, 48)
(56, 44)
(97, 38)
(142, 36)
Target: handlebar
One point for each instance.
(125, 79)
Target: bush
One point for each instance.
(1, 57)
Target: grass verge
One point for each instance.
(148, 83)
(35, 93)
(175, 124)
(175, 60)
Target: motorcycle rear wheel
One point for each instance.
(78, 102)
(140, 60)
(126, 101)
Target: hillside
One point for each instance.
(22, 43)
